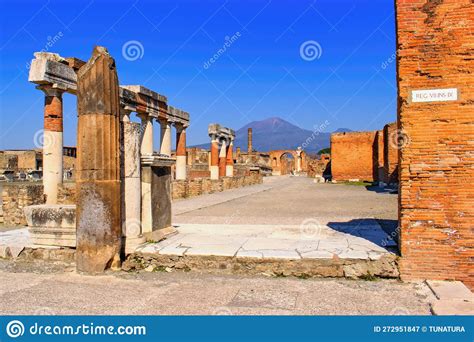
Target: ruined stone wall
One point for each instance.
(8, 161)
(318, 167)
(390, 153)
(200, 186)
(27, 160)
(436, 49)
(352, 156)
(17, 196)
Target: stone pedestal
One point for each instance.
(52, 225)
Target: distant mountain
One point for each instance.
(278, 134)
(342, 130)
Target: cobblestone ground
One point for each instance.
(51, 289)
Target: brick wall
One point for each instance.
(436, 49)
(352, 156)
(196, 187)
(390, 153)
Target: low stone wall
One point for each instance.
(17, 196)
(200, 186)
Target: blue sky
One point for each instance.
(263, 73)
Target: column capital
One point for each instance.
(125, 113)
(144, 116)
(50, 90)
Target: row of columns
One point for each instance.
(53, 141)
(222, 160)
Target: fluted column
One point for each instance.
(222, 159)
(180, 151)
(98, 202)
(229, 168)
(165, 146)
(214, 168)
(52, 142)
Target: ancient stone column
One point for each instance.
(165, 147)
(249, 141)
(180, 151)
(52, 142)
(229, 168)
(147, 137)
(237, 154)
(214, 157)
(222, 158)
(98, 165)
(146, 173)
(131, 182)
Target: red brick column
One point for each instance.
(214, 168)
(222, 159)
(229, 171)
(436, 209)
(52, 142)
(180, 152)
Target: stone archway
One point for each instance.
(299, 161)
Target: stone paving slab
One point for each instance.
(448, 290)
(264, 241)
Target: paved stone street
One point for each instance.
(287, 217)
(31, 288)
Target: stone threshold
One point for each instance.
(384, 267)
